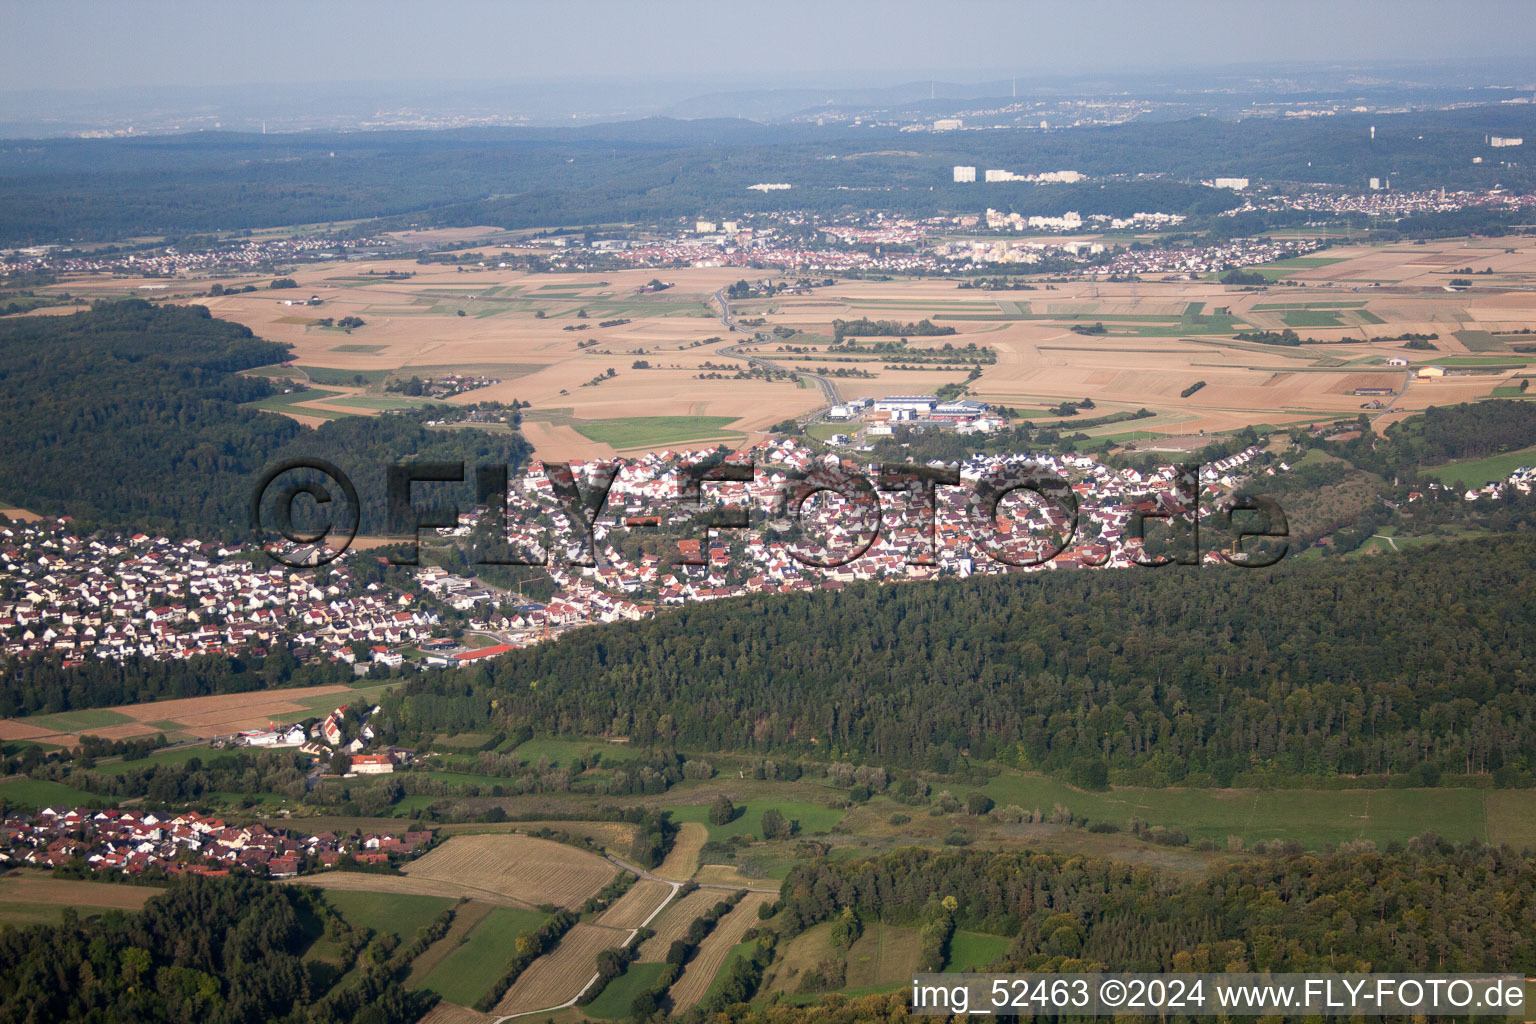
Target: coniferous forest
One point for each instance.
(1419, 665)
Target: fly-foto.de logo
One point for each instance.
(1020, 515)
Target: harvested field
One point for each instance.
(674, 921)
(725, 874)
(449, 1013)
(354, 881)
(194, 717)
(36, 896)
(614, 835)
(534, 871)
(683, 859)
(701, 970)
(631, 910)
(559, 976)
(523, 330)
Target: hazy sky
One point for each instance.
(95, 44)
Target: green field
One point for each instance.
(562, 752)
(380, 403)
(614, 1001)
(971, 951)
(1476, 472)
(1326, 304)
(174, 755)
(289, 403)
(23, 914)
(1284, 268)
(1311, 318)
(1481, 341)
(41, 909)
(343, 378)
(404, 807)
(469, 971)
(369, 349)
(1313, 817)
(393, 913)
(1510, 820)
(813, 818)
(41, 793)
(822, 431)
(1485, 362)
(644, 431)
(78, 721)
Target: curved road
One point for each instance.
(828, 386)
(636, 870)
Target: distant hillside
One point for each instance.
(658, 169)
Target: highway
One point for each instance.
(828, 386)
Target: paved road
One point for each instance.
(636, 870)
(1389, 406)
(828, 386)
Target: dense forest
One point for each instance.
(210, 951)
(1430, 906)
(1414, 668)
(62, 189)
(131, 415)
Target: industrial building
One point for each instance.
(922, 405)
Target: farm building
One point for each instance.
(373, 764)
